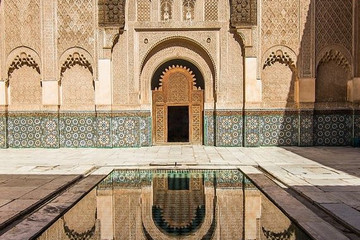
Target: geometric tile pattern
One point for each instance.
(271, 129)
(24, 132)
(3, 128)
(50, 135)
(103, 130)
(126, 131)
(209, 133)
(229, 131)
(357, 124)
(77, 130)
(306, 128)
(333, 129)
(145, 131)
(133, 129)
(279, 130)
(252, 130)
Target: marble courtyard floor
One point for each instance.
(318, 187)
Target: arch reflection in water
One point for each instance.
(175, 204)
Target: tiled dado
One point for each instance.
(209, 128)
(29, 130)
(334, 128)
(3, 130)
(357, 124)
(271, 128)
(75, 130)
(229, 128)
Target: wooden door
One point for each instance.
(177, 88)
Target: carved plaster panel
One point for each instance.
(22, 24)
(243, 13)
(112, 13)
(76, 25)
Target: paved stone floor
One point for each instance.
(329, 177)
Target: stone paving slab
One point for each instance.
(20, 194)
(48, 214)
(298, 213)
(321, 174)
(348, 215)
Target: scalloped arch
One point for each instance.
(75, 56)
(335, 53)
(281, 54)
(175, 39)
(22, 56)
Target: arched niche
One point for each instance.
(332, 75)
(279, 78)
(24, 80)
(76, 80)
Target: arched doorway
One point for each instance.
(178, 103)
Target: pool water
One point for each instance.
(174, 204)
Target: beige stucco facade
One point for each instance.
(297, 61)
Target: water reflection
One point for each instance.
(174, 204)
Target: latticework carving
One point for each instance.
(112, 13)
(337, 57)
(75, 59)
(306, 40)
(23, 60)
(177, 87)
(160, 124)
(334, 23)
(177, 83)
(166, 10)
(77, 89)
(196, 123)
(188, 10)
(280, 23)
(211, 10)
(280, 57)
(25, 87)
(76, 25)
(243, 12)
(278, 85)
(22, 24)
(143, 10)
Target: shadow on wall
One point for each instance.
(289, 115)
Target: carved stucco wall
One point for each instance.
(120, 67)
(331, 72)
(278, 86)
(76, 25)
(22, 24)
(280, 24)
(334, 23)
(25, 89)
(233, 83)
(78, 92)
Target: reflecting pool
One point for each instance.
(174, 204)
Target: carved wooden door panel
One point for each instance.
(177, 88)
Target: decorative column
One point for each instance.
(244, 21)
(306, 71)
(50, 87)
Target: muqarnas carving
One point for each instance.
(280, 57)
(75, 59)
(23, 60)
(112, 13)
(243, 13)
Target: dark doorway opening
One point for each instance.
(178, 124)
